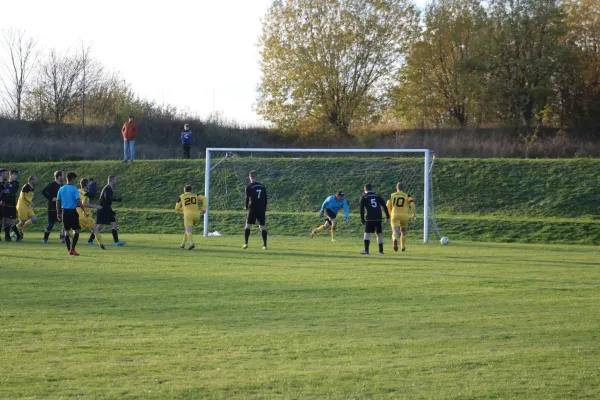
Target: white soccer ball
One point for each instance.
(444, 240)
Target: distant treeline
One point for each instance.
(343, 66)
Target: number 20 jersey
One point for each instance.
(399, 203)
(190, 202)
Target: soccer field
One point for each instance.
(305, 319)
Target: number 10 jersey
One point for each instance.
(398, 204)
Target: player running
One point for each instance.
(86, 221)
(398, 206)
(330, 208)
(50, 192)
(188, 204)
(25, 207)
(106, 215)
(373, 203)
(256, 204)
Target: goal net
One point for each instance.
(299, 180)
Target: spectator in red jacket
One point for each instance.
(129, 131)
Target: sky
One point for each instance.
(198, 55)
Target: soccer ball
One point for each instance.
(444, 240)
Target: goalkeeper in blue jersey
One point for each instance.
(330, 208)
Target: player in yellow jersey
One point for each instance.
(25, 207)
(87, 222)
(398, 205)
(192, 206)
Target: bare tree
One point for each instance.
(21, 60)
(61, 80)
(92, 76)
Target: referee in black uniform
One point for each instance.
(373, 203)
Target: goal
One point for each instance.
(298, 180)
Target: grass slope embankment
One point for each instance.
(534, 201)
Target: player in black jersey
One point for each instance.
(106, 215)
(373, 203)
(50, 192)
(9, 204)
(256, 204)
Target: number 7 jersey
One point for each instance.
(398, 204)
(256, 197)
(190, 203)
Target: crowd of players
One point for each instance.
(66, 204)
(371, 205)
(73, 206)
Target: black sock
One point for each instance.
(16, 230)
(92, 237)
(75, 239)
(367, 242)
(7, 232)
(381, 247)
(46, 235)
(246, 235)
(115, 234)
(68, 242)
(264, 235)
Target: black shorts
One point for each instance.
(70, 219)
(9, 212)
(330, 215)
(373, 227)
(256, 215)
(105, 217)
(52, 217)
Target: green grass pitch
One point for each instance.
(304, 319)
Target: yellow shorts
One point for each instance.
(25, 213)
(401, 221)
(191, 219)
(86, 222)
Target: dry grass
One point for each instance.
(159, 139)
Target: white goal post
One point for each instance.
(427, 153)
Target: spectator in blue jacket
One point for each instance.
(186, 140)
